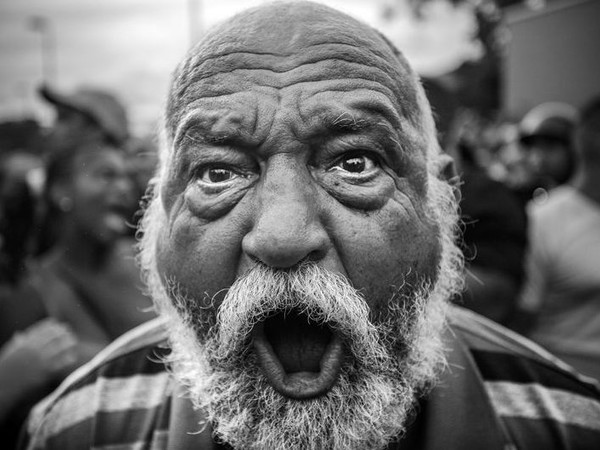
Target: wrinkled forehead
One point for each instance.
(294, 43)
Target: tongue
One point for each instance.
(298, 343)
(299, 358)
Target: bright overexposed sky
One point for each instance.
(131, 46)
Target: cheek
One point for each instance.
(201, 258)
(385, 253)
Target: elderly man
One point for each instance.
(300, 249)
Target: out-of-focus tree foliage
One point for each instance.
(475, 85)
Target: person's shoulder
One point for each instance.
(124, 387)
(537, 396)
(553, 204)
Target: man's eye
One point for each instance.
(356, 164)
(214, 175)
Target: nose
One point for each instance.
(287, 229)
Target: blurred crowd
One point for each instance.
(70, 201)
(530, 204)
(69, 284)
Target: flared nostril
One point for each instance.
(287, 248)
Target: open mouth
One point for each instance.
(115, 217)
(115, 222)
(299, 357)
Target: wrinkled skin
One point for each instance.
(306, 140)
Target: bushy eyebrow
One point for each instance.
(348, 123)
(195, 134)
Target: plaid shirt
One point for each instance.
(499, 391)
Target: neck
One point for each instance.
(588, 183)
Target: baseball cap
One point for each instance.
(550, 121)
(100, 106)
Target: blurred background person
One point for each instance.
(35, 352)
(494, 241)
(90, 268)
(32, 363)
(82, 288)
(89, 198)
(86, 115)
(494, 231)
(560, 302)
(545, 138)
(18, 210)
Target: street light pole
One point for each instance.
(42, 26)
(194, 17)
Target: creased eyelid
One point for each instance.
(201, 171)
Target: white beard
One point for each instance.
(392, 361)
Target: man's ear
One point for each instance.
(446, 171)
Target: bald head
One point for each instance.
(283, 44)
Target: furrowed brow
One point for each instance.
(348, 123)
(199, 136)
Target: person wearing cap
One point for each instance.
(560, 302)
(300, 247)
(545, 137)
(80, 294)
(86, 115)
(82, 289)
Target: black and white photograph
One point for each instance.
(300, 225)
